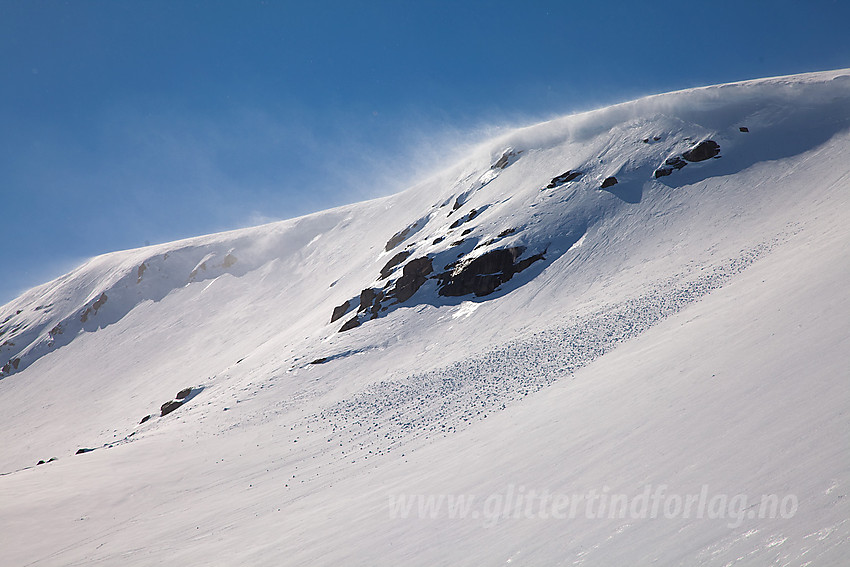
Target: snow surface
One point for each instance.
(683, 331)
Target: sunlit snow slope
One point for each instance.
(652, 294)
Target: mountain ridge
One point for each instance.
(569, 294)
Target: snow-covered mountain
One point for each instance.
(650, 297)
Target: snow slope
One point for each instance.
(511, 326)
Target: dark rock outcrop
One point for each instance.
(144, 419)
(320, 360)
(183, 393)
(609, 182)
(467, 217)
(169, 407)
(370, 299)
(393, 262)
(743, 129)
(412, 278)
(484, 274)
(565, 177)
(506, 159)
(350, 324)
(340, 310)
(706, 149)
(670, 165)
(83, 450)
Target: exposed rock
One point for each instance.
(396, 239)
(670, 165)
(744, 129)
(183, 393)
(350, 324)
(320, 360)
(368, 298)
(465, 232)
(15, 362)
(394, 261)
(83, 450)
(485, 273)
(99, 302)
(140, 272)
(565, 177)
(169, 407)
(144, 419)
(467, 217)
(505, 160)
(412, 278)
(609, 182)
(506, 232)
(340, 310)
(704, 150)
(438, 240)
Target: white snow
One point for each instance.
(684, 334)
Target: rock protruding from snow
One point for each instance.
(484, 274)
(169, 407)
(704, 150)
(413, 276)
(340, 310)
(508, 157)
(609, 182)
(393, 262)
(565, 177)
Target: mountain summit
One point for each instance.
(646, 295)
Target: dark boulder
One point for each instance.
(467, 217)
(743, 129)
(505, 160)
(169, 407)
(397, 239)
(183, 393)
(320, 360)
(369, 298)
(670, 165)
(350, 324)
(565, 177)
(485, 273)
(144, 419)
(340, 310)
(83, 450)
(609, 182)
(412, 278)
(704, 150)
(394, 261)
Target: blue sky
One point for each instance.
(126, 123)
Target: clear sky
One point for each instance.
(125, 123)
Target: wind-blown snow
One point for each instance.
(684, 329)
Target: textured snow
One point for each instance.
(685, 330)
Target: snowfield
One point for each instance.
(619, 337)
